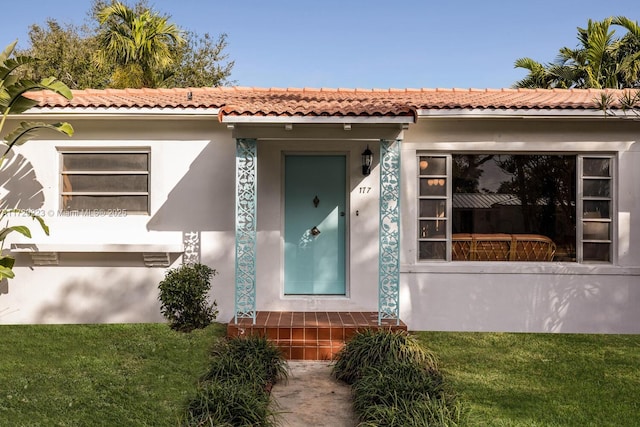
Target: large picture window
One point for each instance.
(515, 207)
(105, 180)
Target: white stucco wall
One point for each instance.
(526, 296)
(193, 190)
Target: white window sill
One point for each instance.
(153, 255)
(510, 267)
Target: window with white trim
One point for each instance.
(515, 207)
(105, 180)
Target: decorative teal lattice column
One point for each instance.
(389, 258)
(246, 201)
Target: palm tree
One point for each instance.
(139, 43)
(629, 52)
(600, 60)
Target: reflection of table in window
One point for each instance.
(502, 247)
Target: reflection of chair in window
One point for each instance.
(502, 247)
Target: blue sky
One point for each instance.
(364, 44)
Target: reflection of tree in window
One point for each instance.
(519, 194)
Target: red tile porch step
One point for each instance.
(310, 335)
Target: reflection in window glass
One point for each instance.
(597, 188)
(432, 207)
(432, 250)
(596, 167)
(517, 195)
(432, 165)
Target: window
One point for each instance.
(515, 207)
(596, 209)
(105, 180)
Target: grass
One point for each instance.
(538, 380)
(99, 375)
(143, 375)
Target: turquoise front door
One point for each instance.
(314, 225)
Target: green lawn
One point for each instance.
(99, 375)
(542, 379)
(142, 375)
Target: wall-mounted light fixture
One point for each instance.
(367, 160)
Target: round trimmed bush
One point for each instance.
(184, 297)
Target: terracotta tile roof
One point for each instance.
(311, 102)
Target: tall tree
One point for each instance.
(140, 44)
(201, 61)
(68, 52)
(600, 61)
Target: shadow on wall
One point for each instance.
(20, 184)
(555, 304)
(203, 199)
(112, 297)
(543, 302)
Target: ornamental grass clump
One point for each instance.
(414, 413)
(405, 394)
(375, 348)
(396, 382)
(235, 390)
(229, 403)
(390, 382)
(253, 359)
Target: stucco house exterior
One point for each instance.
(481, 210)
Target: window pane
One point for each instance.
(433, 187)
(597, 188)
(597, 251)
(433, 250)
(433, 208)
(514, 195)
(596, 167)
(432, 165)
(432, 229)
(105, 161)
(596, 230)
(596, 209)
(132, 204)
(105, 183)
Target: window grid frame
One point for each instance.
(447, 211)
(579, 214)
(581, 198)
(85, 150)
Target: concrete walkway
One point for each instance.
(312, 397)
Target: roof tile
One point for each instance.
(338, 102)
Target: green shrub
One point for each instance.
(414, 413)
(235, 389)
(386, 384)
(230, 403)
(375, 348)
(396, 382)
(183, 297)
(252, 359)
(262, 353)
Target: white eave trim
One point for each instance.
(317, 119)
(522, 113)
(119, 112)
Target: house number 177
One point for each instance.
(364, 190)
